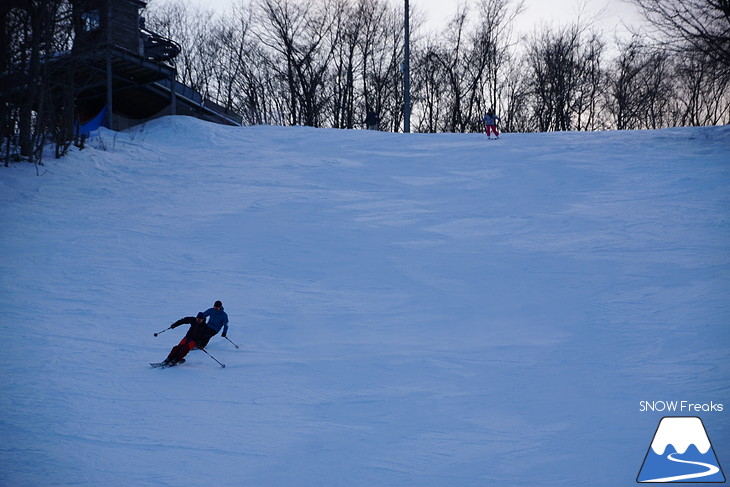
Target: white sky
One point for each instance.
(610, 14)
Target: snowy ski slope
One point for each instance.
(412, 310)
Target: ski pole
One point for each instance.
(163, 331)
(231, 341)
(209, 355)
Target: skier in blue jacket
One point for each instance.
(218, 319)
(490, 123)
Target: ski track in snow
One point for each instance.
(412, 310)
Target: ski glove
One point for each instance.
(223, 334)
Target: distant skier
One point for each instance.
(218, 319)
(372, 120)
(490, 123)
(198, 334)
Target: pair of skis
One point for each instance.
(163, 365)
(166, 365)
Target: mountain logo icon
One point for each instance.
(680, 452)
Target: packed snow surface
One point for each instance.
(411, 309)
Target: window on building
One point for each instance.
(91, 21)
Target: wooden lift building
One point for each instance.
(126, 72)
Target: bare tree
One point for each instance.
(468, 60)
(382, 50)
(625, 98)
(36, 85)
(551, 56)
(642, 88)
(515, 93)
(379, 23)
(298, 33)
(703, 93)
(430, 87)
(453, 57)
(701, 26)
(565, 78)
(494, 41)
(192, 27)
(349, 25)
(233, 44)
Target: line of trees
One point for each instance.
(326, 63)
(36, 96)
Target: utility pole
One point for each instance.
(407, 73)
(109, 75)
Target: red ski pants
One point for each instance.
(493, 128)
(181, 349)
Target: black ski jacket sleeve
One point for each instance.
(188, 320)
